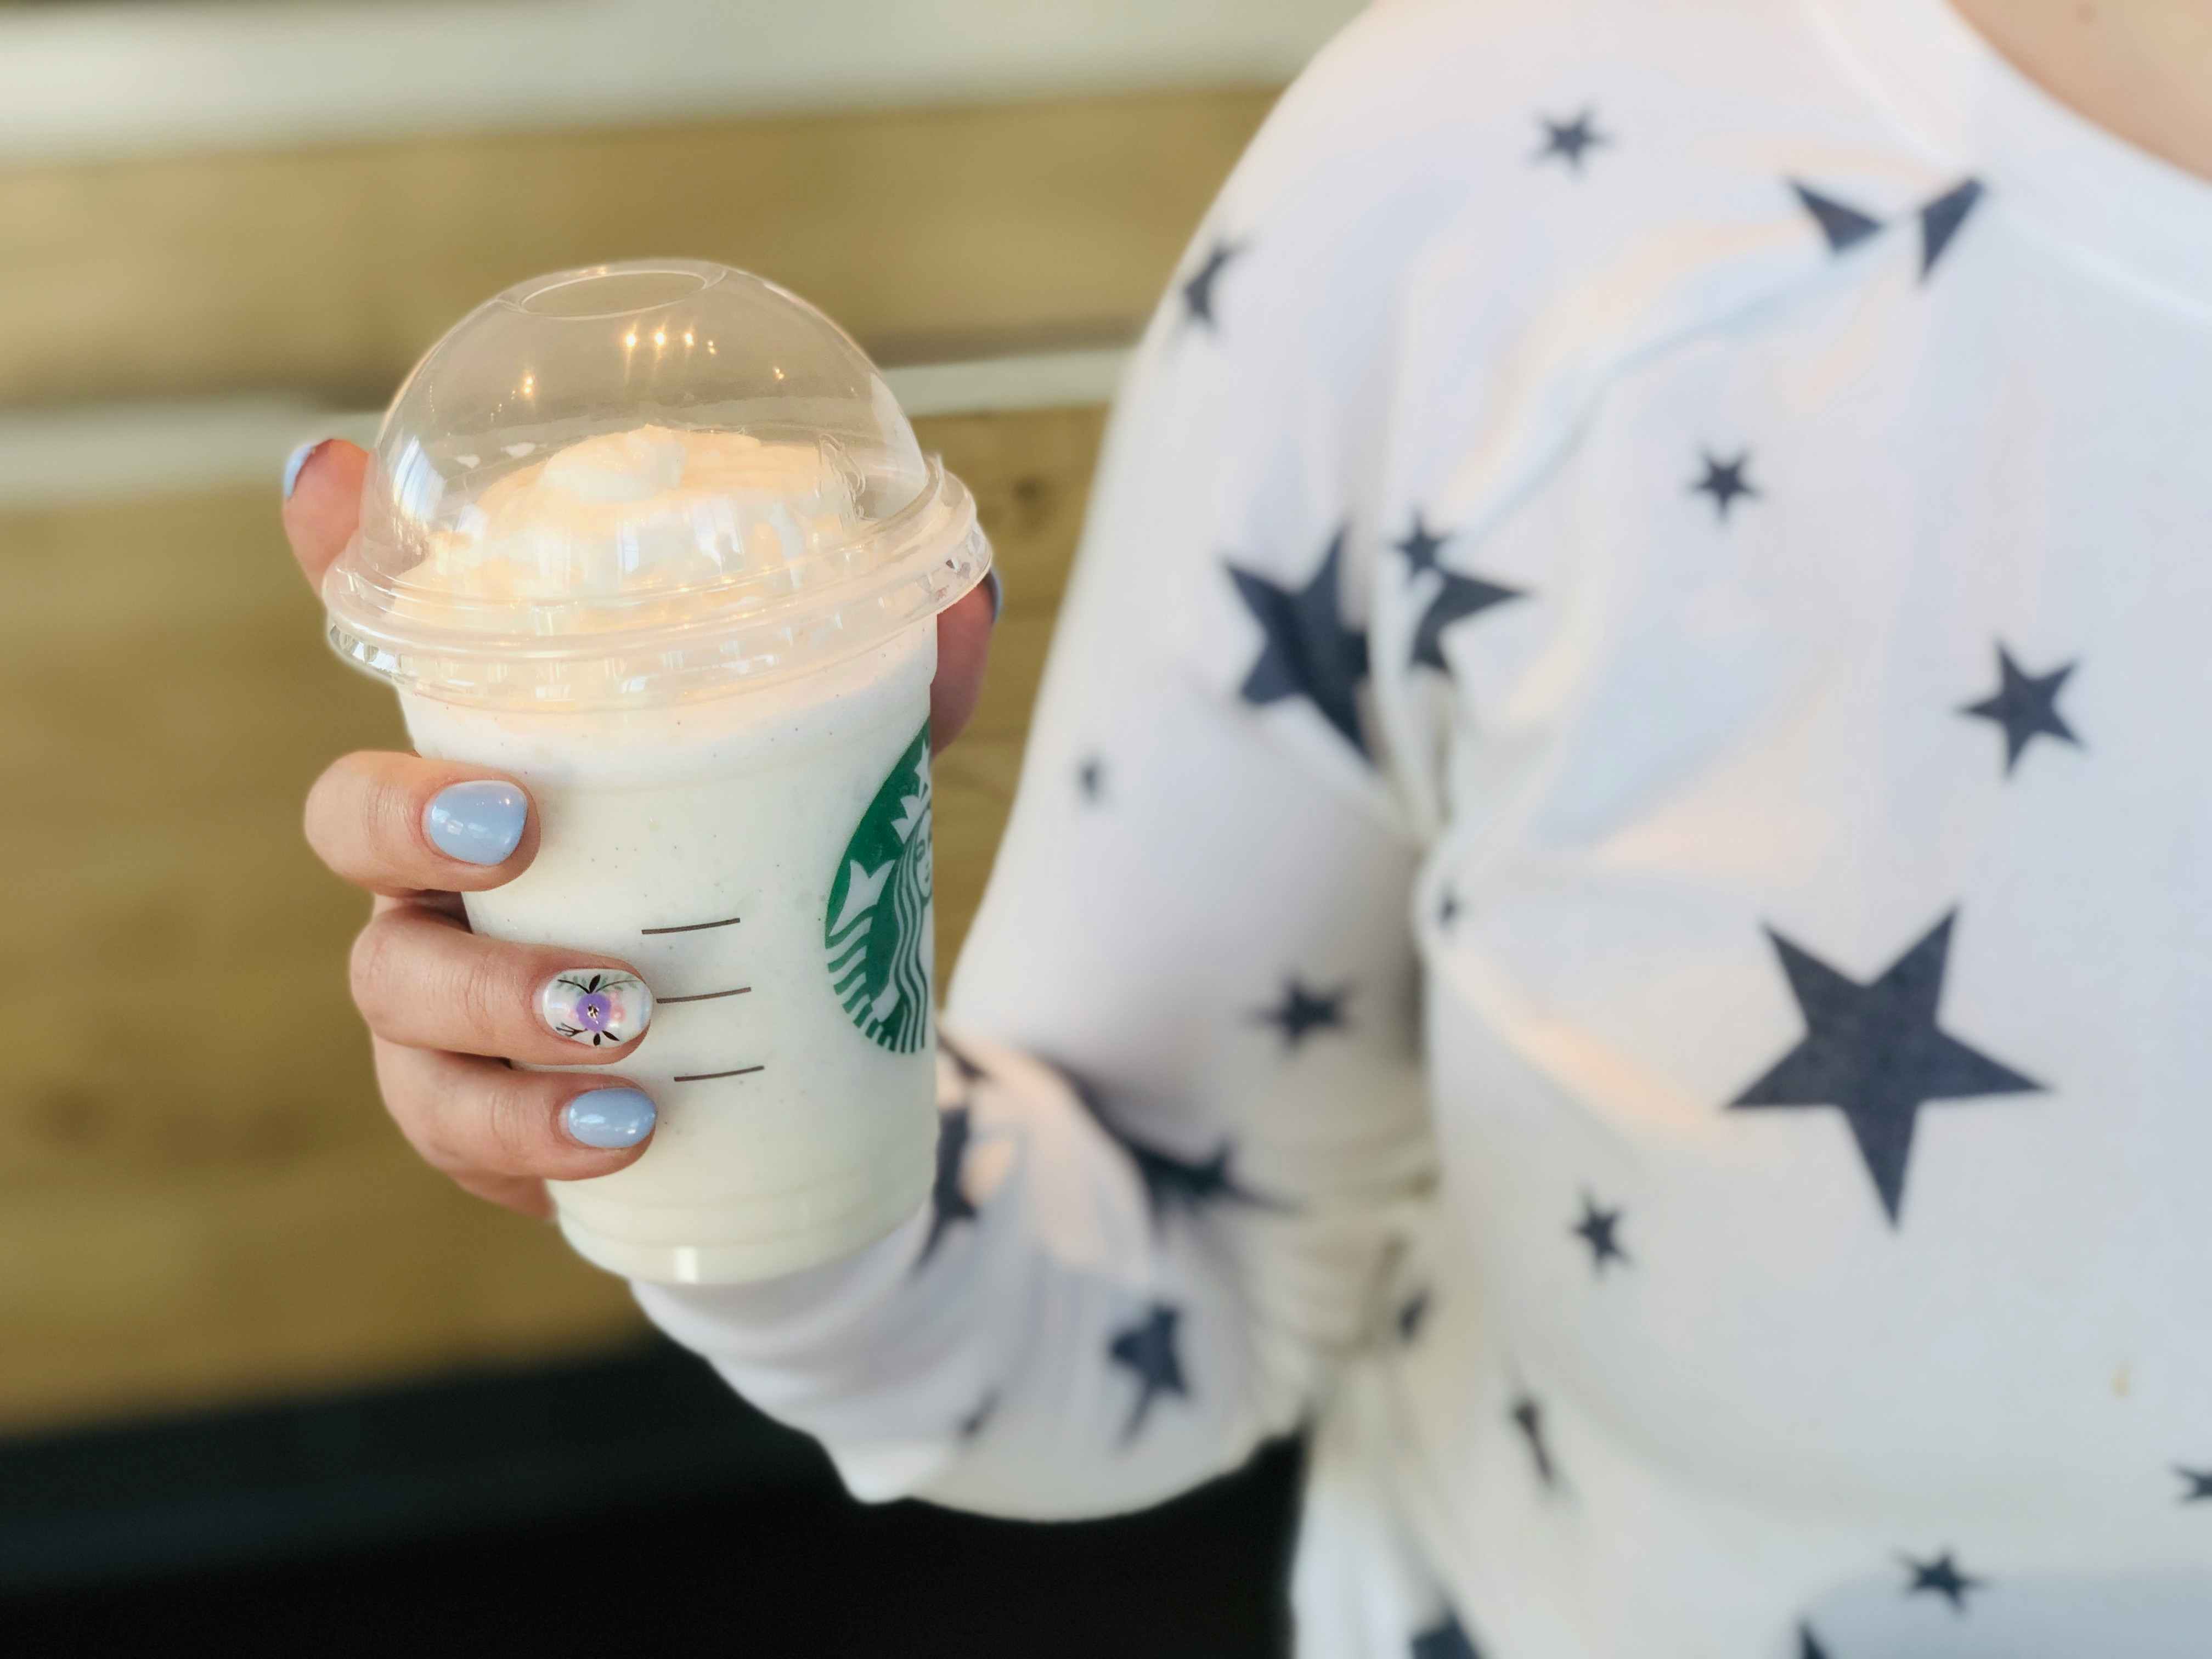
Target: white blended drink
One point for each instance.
(656, 539)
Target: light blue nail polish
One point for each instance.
(608, 1118)
(997, 590)
(478, 822)
(297, 459)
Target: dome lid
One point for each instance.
(638, 483)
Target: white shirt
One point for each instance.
(1609, 899)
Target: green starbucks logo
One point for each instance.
(876, 939)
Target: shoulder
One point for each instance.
(1458, 195)
(1409, 71)
(1549, 132)
(1449, 236)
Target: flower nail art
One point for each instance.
(598, 1007)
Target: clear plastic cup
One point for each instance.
(656, 538)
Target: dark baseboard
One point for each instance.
(627, 1504)
(348, 1469)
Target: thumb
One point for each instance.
(322, 502)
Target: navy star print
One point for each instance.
(1421, 547)
(1416, 1310)
(1198, 287)
(947, 1203)
(1600, 1230)
(1872, 1052)
(2026, 706)
(974, 1423)
(1529, 1418)
(1308, 652)
(1303, 1012)
(1148, 1348)
(1090, 778)
(1845, 226)
(1458, 599)
(1569, 139)
(1941, 219)
(1808, 1645)
(1445, 1640)
(1841, 227)
(1171, 1181)
(1724, 481)
(2199, 1482)
(1941, 1577)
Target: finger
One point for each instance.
(524, 1194)
(400, 824)
(423, 980)
(322, 502)
(476, 1120)
(963, 647)
(448, 905)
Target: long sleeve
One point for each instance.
(1183, 1109)
(1680, 520)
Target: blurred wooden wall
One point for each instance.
(929, 234)
(200, 1200)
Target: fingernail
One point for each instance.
(992, 585)
(608, 1118)
(477, 823)
(297, 459)
(598, 1007)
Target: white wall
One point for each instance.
(111, 451)
(110, 80)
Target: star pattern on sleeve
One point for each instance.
(2198, 1482)
(1528, 1417)
(1874, 1052)
(1808, 1645)
(2026, 706)
(1448, 909)
(1569, 140)
(1940, 1576)
(1420, 546)
(1940, 221)
(947, 1202)
(1309, 650)
(1458, 599)
(1600, 1229)
(1457, 596)
(1445, 1639)
(1197, 288)
(979, 1420)
(1841, 226)
(1090, 779)
(1172, 1182)
(1411, 1313)
(1147, 1349)
(1302, 1013)
(1724, 481)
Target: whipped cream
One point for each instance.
(649, 511)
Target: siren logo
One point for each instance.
(877, 939)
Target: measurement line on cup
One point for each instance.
(704, 996)
(708, 1077)
(695, 927)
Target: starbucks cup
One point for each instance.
(655, 538)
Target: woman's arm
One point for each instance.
(1181, 1087)
(1180, 1100)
